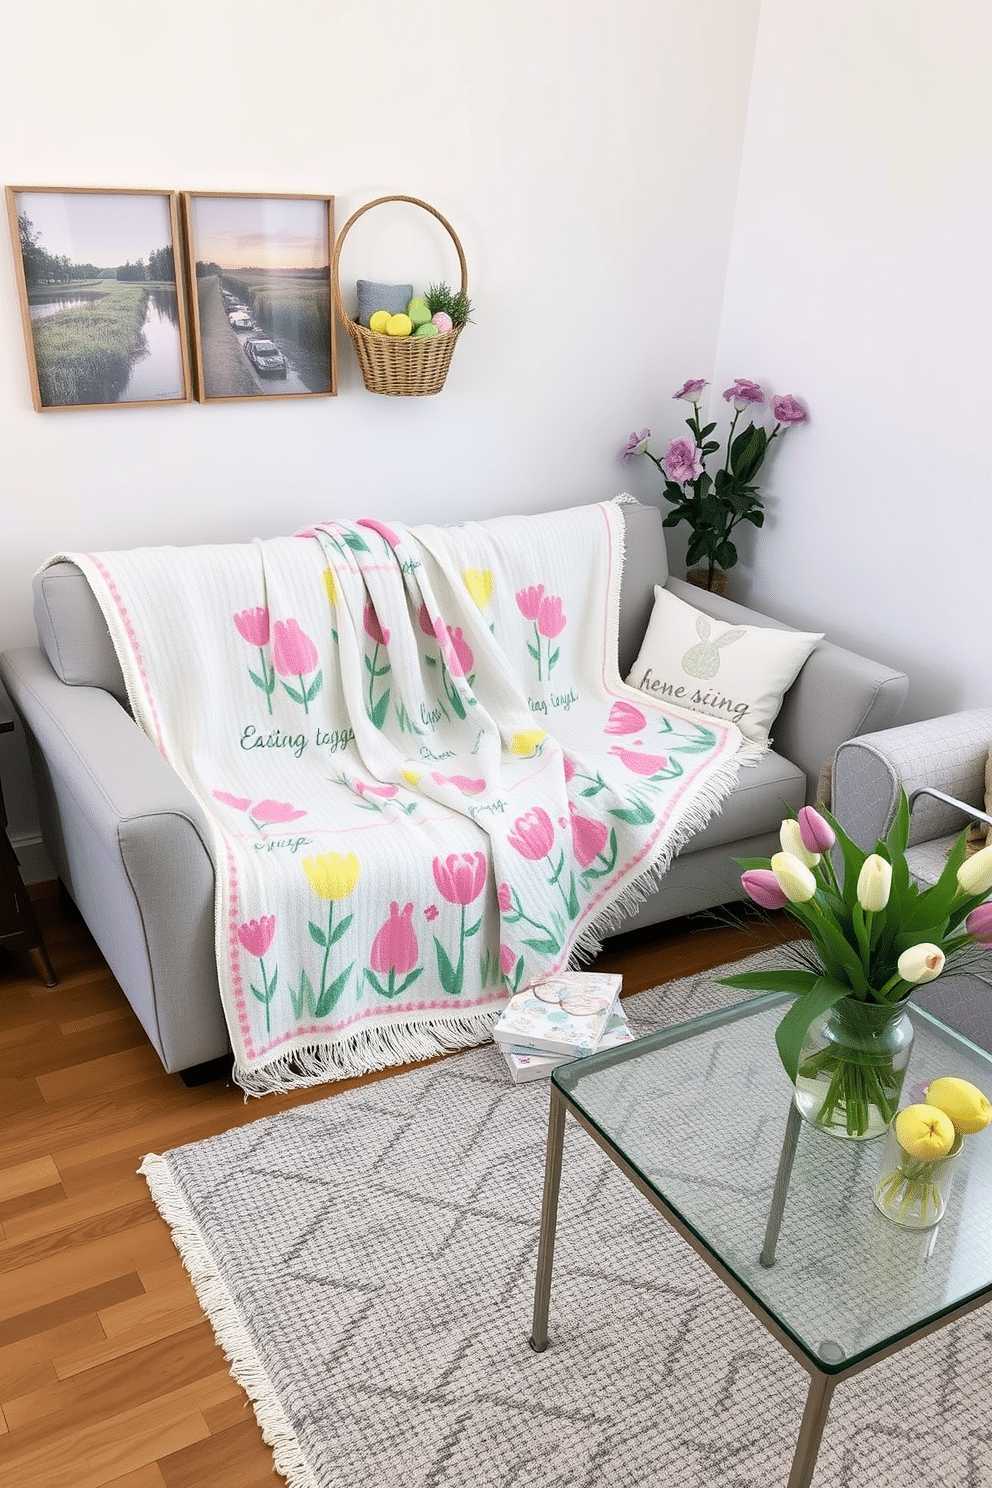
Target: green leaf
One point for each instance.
(449, 980)
(331, 995)
(549, 947)
(296, 696)
(791, 1032)
(773, 981)
(356, 543)
(637, 815)
(315, 687)
(317, 934)
(747, 451)
(378, 713)
(340, 929)
(376, 982)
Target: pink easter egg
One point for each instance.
(443, 321)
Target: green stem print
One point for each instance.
(570, 897)
(268, 991)
(453, 977)
(377, 708)
(512, 912)
(330, 993)
(267, 681)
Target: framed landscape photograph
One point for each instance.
(101, 297)
(260, 291)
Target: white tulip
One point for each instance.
(874, 883)
(921, 963)
(793, 878)
(791, 839)
(975, 873)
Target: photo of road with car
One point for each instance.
(262, 300)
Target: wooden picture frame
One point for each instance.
(260, 294)
(100, 331)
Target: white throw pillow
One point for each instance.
(735, 672)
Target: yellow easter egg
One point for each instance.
(399, 325)
(379, 321)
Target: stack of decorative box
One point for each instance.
(567, 1016)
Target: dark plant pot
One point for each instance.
(716, 582)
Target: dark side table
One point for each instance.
(18, 926)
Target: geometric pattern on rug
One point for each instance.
(368, 1260)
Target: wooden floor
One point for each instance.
(109, 1372)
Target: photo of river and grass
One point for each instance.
(261, 308)
(104, 315)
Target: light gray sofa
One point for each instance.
(946, 755)
(131, 845)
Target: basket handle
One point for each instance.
(414, 201)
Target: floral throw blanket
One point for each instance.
(426, 781)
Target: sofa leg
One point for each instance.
(204, 1074)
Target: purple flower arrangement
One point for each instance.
(714, 504)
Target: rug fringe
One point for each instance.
(225, 1319)
(373, 1049)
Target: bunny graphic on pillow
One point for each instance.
(703, 659)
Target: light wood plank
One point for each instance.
(28, 1178)
(27, 1364)
(133, 1325)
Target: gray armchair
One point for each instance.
(940, 763)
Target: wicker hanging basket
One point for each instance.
(399, 366)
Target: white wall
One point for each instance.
(860, 279)
(587, 157)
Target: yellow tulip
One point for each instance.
(412, 777)
(874, 883)
(792, 842)
(526, 742)
(479, 583)
(330, 585)
(925, 1132)
(793, 878)
(975, 873)
(966, 1105)
(332, 875)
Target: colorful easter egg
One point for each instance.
(399, 325)
(379, 321)
(418, 310)
(426, 330)
(443, 321)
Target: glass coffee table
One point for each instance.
(699, 1118)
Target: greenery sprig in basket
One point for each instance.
(874, 937)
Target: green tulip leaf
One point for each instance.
(791, 1032)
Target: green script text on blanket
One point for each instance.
(427, 783)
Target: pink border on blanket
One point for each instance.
(132, 642)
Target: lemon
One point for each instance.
(379, 321)
(924, 1131)
(963, 1102)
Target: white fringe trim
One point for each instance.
(373, 1049)
(627, 899)
(226, 1321)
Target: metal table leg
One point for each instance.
(767, 1256)
(821, 1388)
(549, 1220)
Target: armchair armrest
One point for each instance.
(837, 695)
(132, 846)
(942, 760)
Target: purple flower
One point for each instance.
(636, 445)
(742, 392)
(682, 461)
(692, 390)
(817, 834)
(979, 923)
(789, 410)
(761, 885)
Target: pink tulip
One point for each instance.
(817, 834)
(589, 837)
(240, 803)
(395, 946)
(253, 625)
(682, 461)
(383, 531)
(256, 935)
(504, 898)
(463, 782)
(761, 885)
(507, 960)
(641, 764)
(568, 767)
(385, 791)
(533, 834)
(529, 601)
(293, 652)
(979, 923)
(373, 629)
(625, 719)
(789, 410)
(461, 877)
(274, 811)
(457, 651)
(425, 622)
(550, 620)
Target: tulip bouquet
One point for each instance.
(923, 1142)
(713, 505)
(876, 936)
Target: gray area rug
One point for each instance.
(368, 1261)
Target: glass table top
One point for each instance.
(699, 1111)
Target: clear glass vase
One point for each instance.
(851, 1068)
(913, 1191)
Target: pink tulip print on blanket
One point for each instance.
(426, 782)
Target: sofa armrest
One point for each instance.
(837, 695)
(948, 754)
(132, 846)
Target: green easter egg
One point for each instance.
(418, 311)
(426, 330)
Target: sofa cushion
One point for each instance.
(736, 672)
(73, 632)
(756, 806)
